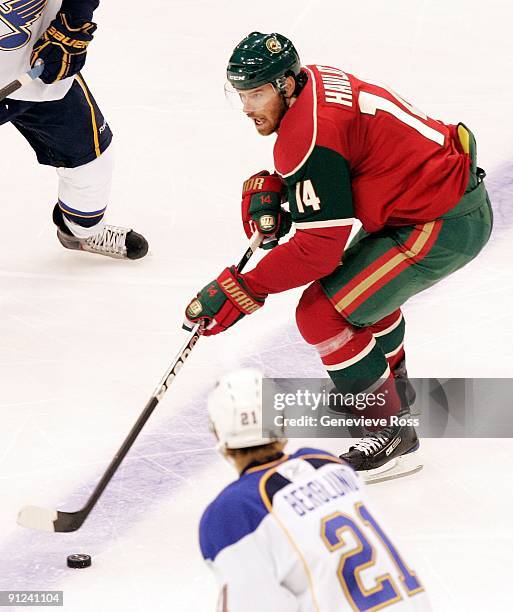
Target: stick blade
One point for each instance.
(38, 518)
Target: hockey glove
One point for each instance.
(261, 208)
(222, 303)
(63, 48)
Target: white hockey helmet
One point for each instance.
(235, 411)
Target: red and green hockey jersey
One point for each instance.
(349, 148)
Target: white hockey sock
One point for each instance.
(86, 189)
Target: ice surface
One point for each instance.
(85, 339)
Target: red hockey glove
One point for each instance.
(222, 303)
(261, 208)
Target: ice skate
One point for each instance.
(386, 454)
(111, 241)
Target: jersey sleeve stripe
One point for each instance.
(314, 134)
(330, 223)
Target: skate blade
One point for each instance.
(405, 465)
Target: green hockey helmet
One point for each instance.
(262, 58)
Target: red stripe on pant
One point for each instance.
(375, 265)
(391, 274)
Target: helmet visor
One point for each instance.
(250, 100)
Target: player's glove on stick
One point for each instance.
(261, 208)
(222, 303)
(63, 47)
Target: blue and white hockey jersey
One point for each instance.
(297, 535)
(22, 22)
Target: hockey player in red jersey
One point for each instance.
(349, 149)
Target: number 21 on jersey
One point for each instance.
(352, 562)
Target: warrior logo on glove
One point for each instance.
(262, 195)
(267, 223)
(194, 309)
(223, 302)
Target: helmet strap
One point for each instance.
(279, 85)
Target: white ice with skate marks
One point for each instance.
(85, 339)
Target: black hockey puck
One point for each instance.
(79, 561)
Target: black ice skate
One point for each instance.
(386, 454)
(112, 241)
(391, 452)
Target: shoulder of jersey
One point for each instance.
(327, 97)
(314, 452)
(239, 509)
(235, 513)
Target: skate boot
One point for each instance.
(111, 241)
(390, 452)
(386, 454)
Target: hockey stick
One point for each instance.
(24, 79)
(54, 520)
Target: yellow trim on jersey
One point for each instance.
(266, 466)
(96, 137)
(360, 568)
(386, 268)
(269, 506)
(322, 456)
(272, 468)
(401, 576)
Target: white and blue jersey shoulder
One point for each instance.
(235, 535)
(297, 535)
(247, 546)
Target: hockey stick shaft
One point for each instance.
(24, 79)
(160, 391)
(71, 521)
